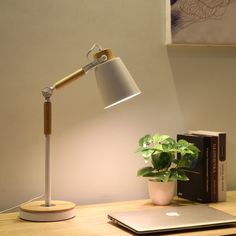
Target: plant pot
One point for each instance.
(161, 193)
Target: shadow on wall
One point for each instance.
(205, 84)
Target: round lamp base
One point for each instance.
(37, 211)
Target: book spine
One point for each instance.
(213, 178)
(206, 153)
(207, 170)
(222, 185)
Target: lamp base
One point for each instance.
(37, 211)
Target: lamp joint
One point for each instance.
(47, 93)
(95, 63)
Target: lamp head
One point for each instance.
(114, 80)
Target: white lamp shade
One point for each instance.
(115, 82)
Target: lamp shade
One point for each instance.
(115, 82)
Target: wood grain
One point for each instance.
(92, 220)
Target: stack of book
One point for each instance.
(207, 179)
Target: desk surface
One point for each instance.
(92, 220)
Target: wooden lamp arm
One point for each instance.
(69, 78)
(47, 118)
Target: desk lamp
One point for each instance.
(116, 85)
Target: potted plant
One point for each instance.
(168, 159)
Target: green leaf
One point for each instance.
(162, 161)
(145, 172)
(184, 147)
(147, 152)
(185, 161)
(159, 138)
(163, 176)
(182, 143)
(145, 140)
(194, 150)
(177, 174)
(169, 144)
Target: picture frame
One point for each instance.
(200, 22)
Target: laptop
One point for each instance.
(171, 218)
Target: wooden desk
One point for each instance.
(92, 220)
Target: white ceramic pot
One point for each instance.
(161, 193)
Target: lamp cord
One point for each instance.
(11, 208)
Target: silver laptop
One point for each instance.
(171, 218)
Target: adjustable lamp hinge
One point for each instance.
(95, 63)
(104, 52)
(99, 57)
(47, 93)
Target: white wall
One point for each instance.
(93, 150)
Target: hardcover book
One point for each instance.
(220, 153)
(198, 187)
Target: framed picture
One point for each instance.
(201, 22)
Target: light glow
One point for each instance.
(122, 100)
